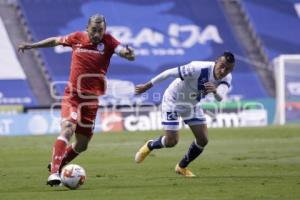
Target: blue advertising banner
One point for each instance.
(242, 114)
(36, 123)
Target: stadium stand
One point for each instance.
(189, 30)
(14, 87)
(32, 85)
(164, 34)
(249, 40)
(277, 37)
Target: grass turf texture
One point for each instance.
(239, 163)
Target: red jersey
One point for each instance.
(89, 62)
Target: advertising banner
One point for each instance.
(132, 119)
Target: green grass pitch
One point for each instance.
(238, 163)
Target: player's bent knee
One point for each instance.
(203, 142)
(171, 143)
(81, 148)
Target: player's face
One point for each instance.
(222, 68)
(96, 31)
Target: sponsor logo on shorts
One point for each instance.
(172, 116)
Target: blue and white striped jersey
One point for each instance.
(188, 87)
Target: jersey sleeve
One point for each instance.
(188, 71)
(114, 43)
(164, 75)
(69, 40)
(226, 81)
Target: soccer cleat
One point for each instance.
(54, 180)
(142, 153)
(184, 171)
(49, 167)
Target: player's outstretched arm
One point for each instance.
(49, 42)
(139, 89)
(128, 53)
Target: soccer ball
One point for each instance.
(72, 176)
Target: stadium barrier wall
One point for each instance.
(131, 119)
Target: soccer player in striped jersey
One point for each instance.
(192, 83)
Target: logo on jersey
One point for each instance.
(74, 115)
(100, 48)
(187, 70)
(172, 116)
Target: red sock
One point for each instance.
(70, 154)
(58, 152)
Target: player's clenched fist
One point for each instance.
(210, 87)
(23, 47)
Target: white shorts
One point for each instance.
(171, 112)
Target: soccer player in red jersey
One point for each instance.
(92, 51)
